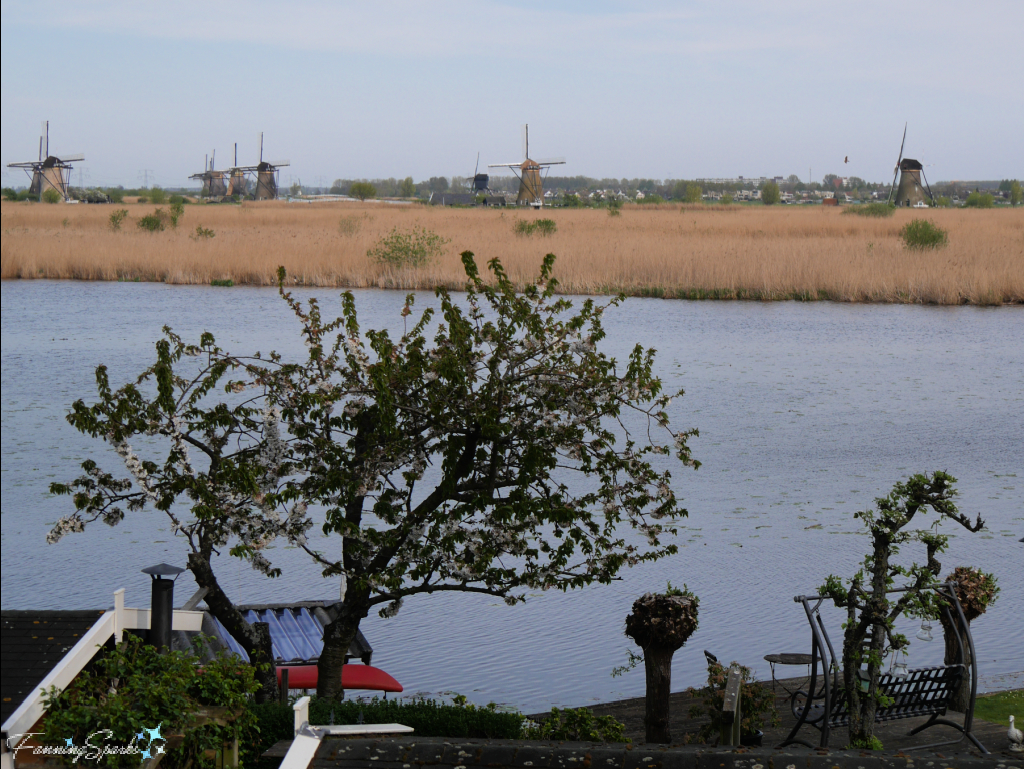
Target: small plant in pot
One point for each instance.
(757, 706)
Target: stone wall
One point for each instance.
(441, 753)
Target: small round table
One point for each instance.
(788, 659)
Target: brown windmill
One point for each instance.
(530, 173)
(214, 185)
(264, 174)
(49, 172)
(911, 172)
(238, 185)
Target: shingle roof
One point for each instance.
(33, 643)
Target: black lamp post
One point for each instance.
(161, 611)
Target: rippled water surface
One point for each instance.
(806, 413)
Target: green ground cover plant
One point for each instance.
(921, 234)
(998, 708)
(51, 196)
(579, 725)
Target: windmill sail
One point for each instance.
(898, 161)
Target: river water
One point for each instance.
(806, 412)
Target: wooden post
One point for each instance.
(283, 688)
(732, 714)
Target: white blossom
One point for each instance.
(134, 465)
(66, 525)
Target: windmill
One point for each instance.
(911, 172)
(531, 192)
(213, 180)
(238, 185)
(481, 182)
(49, 172)
(265, 175)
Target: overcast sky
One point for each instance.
(621, 89)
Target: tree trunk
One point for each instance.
(962, 696)
(254, 638)
(338, 636)
(658, 666)
(660, 624)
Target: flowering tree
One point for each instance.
(505, 454)
(224, 460)
(870, 612)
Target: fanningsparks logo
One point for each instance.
(96, 745)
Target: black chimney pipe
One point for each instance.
(161, 613)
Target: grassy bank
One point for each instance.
(714, 252)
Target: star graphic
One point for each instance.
(70, 741)
(160, 749)
(146, 754)
(154, 734)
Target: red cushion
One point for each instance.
(352, 677)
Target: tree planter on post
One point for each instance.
(661, 624)
(975, 590)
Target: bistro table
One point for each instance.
(788, 659)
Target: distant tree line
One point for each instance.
(686, 190)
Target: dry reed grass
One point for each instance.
(690, 252)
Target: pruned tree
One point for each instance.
(505, 454)
(975, 591)
(660, 624)
(871, 613)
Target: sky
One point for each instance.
(620, 89)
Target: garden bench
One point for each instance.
(922, 692)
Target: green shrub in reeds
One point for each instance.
(411, 248)
(541, 227)
(154, 222)
(880, 210)
(117, 218)
(921, 234)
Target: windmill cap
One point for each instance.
(909, 164)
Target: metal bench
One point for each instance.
(922, 692)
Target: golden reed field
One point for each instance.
(791, 252)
